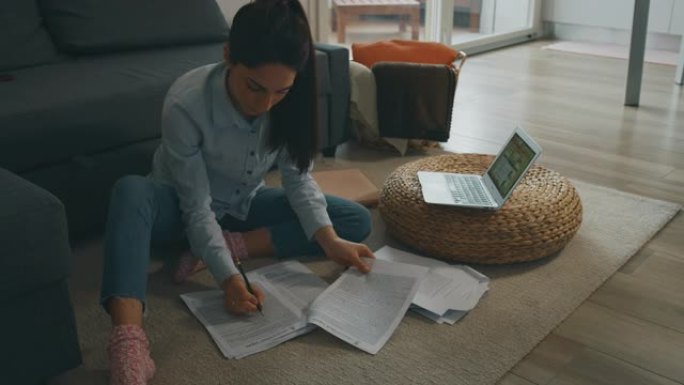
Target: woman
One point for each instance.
(223, 126)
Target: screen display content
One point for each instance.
(510, 165)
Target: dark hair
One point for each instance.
(277, 31)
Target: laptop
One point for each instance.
(487, 191)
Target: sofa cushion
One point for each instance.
(85, 184)
(60, 112)
(82, 106)
(24, 41)
(89, 26)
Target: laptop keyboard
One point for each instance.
(467, 189)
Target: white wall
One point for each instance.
(511, 15)
(610, 21)
(611, 13)
(230, 7)
(677, 25)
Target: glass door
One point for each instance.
(480, 25)
(469, 25)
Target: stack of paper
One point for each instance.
(447, 292)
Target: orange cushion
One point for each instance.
(410, 51)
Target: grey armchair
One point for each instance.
(37, 326)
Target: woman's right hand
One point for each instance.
(237, 299)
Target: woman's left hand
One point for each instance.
(344, 252)
(348, 253)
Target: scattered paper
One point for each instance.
(447, 291)
(364, 309)
(361, 309)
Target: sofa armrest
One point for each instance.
(33, 237)
(338, 102)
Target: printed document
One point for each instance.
(447, 292)
(289, 288)
(364, 309)
(361, 309)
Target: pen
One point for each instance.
(249, 287)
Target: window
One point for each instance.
(469, 25)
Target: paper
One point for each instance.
(289, 289)
(361, 309)
(450, 317)
(364, 309)
(294, 281)
(444, 288)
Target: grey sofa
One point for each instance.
(82, 88)
(37, 327)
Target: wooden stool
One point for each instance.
(347, 10)
(541, 216)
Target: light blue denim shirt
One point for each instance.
(216, 160)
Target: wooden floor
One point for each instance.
(631, 330)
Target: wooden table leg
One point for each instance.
(415, 24)
(474, 22)
(341, 25)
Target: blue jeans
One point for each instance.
(142, 212)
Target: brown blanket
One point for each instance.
(415, 100)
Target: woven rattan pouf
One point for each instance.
(541, 216)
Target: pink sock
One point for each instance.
(236, 244)
(189, 264)
(129, 356)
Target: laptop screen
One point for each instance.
(511, 164)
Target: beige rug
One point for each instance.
(525, 302)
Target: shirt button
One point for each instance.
(249, 172)
(237, 191)
(251, 153)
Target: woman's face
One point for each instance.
(255, 91)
